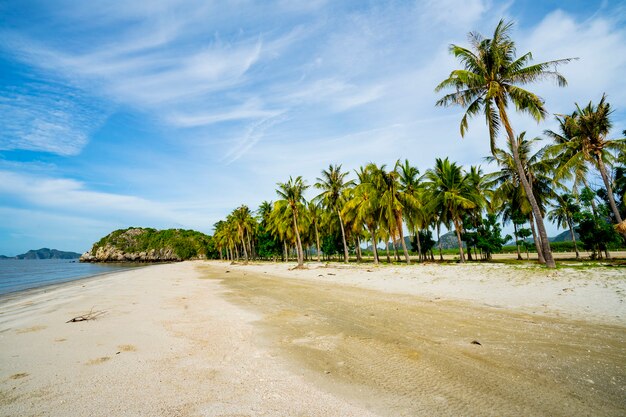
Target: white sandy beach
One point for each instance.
(173, 343)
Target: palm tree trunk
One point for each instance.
(374, 244)
(387, 249)
(535, 239)
(519, 255)
(393, 245)
(343, 237)
(521, 172)
(571, 230)
(457, 227)
(401, 233)
(609, 190)
(249, 244)
(243, 244)
(298, 241)
(285, 252)
(317, 242)
(439, 241)
(358, 250)
(419, 245)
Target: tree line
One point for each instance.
(528, 187)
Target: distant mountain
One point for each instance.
(566, 236)
(45, 253)
(449, 241)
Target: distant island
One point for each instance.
(44, 253)
(137, 244)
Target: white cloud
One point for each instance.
(43, 118)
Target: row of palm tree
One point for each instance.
(381, 202)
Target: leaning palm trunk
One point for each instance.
(343, 237)
(521, 172)
(609, 190)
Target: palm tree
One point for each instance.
(411, 197)
(592, 125)
(391, 201)
(280, 224)
(562, 215)
(363, 207)
(506, 182)
(242, 219)
(292, 194)
(451, 191)
(333, 186)
(490, 81)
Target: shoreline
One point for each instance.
(51, 285)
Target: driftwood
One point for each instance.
(92, 315)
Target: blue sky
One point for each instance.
(170, 113)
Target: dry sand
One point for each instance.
(212, 339)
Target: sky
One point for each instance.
(171, 113)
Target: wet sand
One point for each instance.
(212, 339)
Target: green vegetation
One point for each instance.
(535, 178)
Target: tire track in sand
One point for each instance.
(402, 355)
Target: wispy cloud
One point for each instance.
(47, 118)
(253, 135)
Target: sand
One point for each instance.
(213, 339)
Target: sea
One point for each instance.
(24, 274)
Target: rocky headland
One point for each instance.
(137, 244)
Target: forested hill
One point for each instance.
(137, 244)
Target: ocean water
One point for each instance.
(23, 274)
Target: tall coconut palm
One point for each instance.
(592, 125)
(292, 194)
(363, 207)
(280, 225)
(391, 201)
(411, 194)
(491, 80)
(333, 185)
(450, 190)
(568, 162)
(562, 214)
